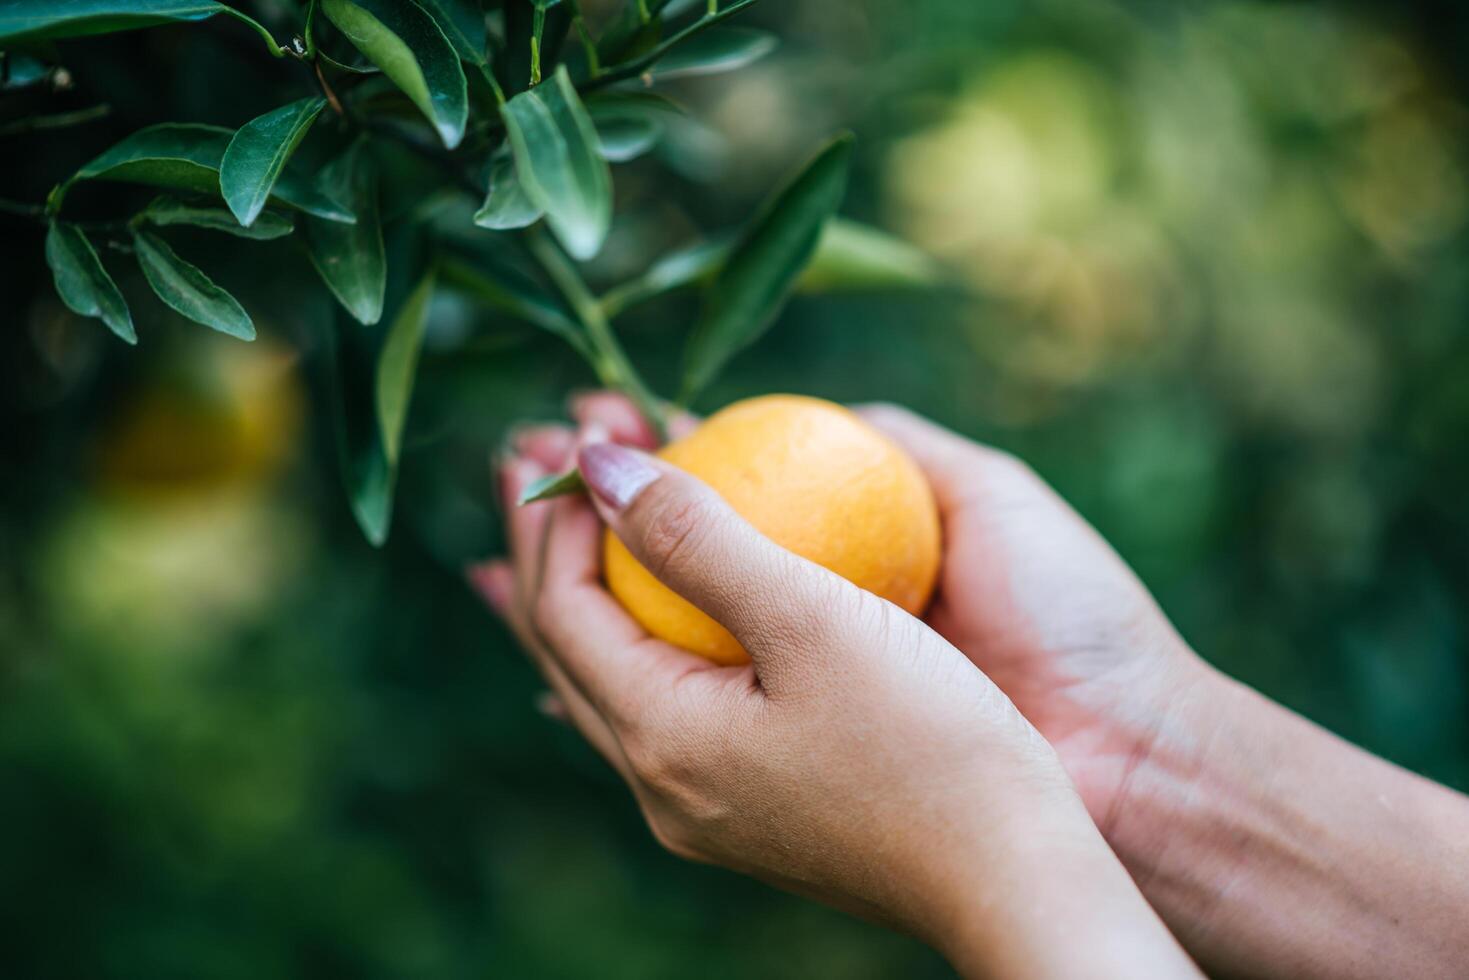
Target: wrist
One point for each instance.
(1273, 848)
(1045, 896)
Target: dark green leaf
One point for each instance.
(512, 296)
(397, 366)
(187, 156)
(463, 23)
(630, 124)
(627, 138)
(754, 284)
(559, 165)
(349, 360)
(171, 211)
(854, 256)
(627, 36)
(82, 282)
(255, 157)
(402, 39)
(551, 487)
(716, 50)
(350, 257)
(506, 205)
(34, 19)
(188, 290)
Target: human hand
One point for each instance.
(1269, 846)
(859, 758)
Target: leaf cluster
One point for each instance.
(526, 106)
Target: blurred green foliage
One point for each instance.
(1210, 275)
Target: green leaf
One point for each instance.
(716, 50)
(627, 36)
(402, 39)
(630, 124)
(463, 23)
(348, 359)
(255, 157)
(33, 19)
(397, 366)
(82, 282)
(512, 296)
(506, 204)
(754, 284)
(551, 487)
(679, 268)
(853, 256)
(164, 211)
(188, 290)
(187, 157)
(350, 258)
(627, 138)
(559, 163)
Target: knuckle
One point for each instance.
(674, 534)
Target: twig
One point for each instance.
(59, 120)
(609, 360)
(636, 67)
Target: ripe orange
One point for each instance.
(814, 478)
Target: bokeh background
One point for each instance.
(1208, 271)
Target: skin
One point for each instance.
(1270, 847)
(860, 759)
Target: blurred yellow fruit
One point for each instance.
(815, 479)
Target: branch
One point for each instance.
(637, 66)
(609, 360)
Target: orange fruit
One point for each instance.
(815, 479)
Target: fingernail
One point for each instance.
(593, 433)
(615, 473)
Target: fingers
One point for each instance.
(773, 601)
(623, 421)
(948, 460)
(609, 657)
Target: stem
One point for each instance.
(637, 66)
(57, 121)
(494, 85)
(275, 49)
(538, 27)
(588, 43)
(311, 30)
(21, 209)
(608, 360)
(326, 89)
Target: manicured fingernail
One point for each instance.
(593, 433)
(615, 473)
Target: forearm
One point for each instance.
(1272, 848)
(1058, 903)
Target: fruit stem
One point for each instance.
(608, 358)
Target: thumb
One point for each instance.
(780, 606)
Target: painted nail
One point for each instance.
(615, 473)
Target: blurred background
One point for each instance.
(1210, 274)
